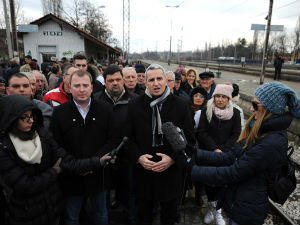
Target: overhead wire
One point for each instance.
(280, 7)
(233, 7)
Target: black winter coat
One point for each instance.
(218, 134)
(242, 172)
(150, 185)
(186, 87)
(120, 116)
(86, 139)
(33, 193)
(211, 91)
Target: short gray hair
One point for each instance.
(171, 72)
(155, 66)
(29, 74)
(128, 68)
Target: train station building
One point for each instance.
(58, 38)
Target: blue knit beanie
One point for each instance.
(275, 96)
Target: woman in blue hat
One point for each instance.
(261, 149)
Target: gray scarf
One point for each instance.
(156, 120)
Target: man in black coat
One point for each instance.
(118, 98)
(82, 127)
(278, 65)
(158, 174)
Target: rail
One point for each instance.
(291, 73)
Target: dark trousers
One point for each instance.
(168, 210)
(212, 193)
(2, 206)
(126, 190)
(277, 73)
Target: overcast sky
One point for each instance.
(194, 22)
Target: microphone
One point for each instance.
(176, 138)
(115, 150)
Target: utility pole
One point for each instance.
(13, 26)
(170, 51)
(126, 28)
(179, 47)
(9, 46)
(265, 53)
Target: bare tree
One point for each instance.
(281, 43)
(2, 20)
(85, 15)
(296, 39)
(254, 44)
(52, 6)
(20, 15)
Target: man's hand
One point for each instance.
(57, 167)
(86, 173)
(105, 159)
(217, 150)
(165, 162)
(145, 162)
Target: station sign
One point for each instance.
(258, 27)
(52, 33)
(28, 28)
(263, 27)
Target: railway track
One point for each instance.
(289, 213)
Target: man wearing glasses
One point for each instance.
(19, 84)
(62, 93)
(171, 80)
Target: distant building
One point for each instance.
(58, 38)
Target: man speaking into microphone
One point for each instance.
(158, 173)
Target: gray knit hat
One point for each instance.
(275, 96)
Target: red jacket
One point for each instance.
(56, 96)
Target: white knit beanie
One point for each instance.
(224, 89)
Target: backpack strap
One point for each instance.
(290, 151)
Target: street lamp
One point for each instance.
(170, 51)
(98, 33)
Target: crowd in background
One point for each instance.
(60, 122)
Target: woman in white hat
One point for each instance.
(219, 128)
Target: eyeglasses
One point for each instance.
(171, 80)
(198, 96)
(26, 118)
(255, 105)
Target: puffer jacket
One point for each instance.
(33, 193)
(218, 134)
(242, 172)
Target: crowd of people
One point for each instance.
(61, 127)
